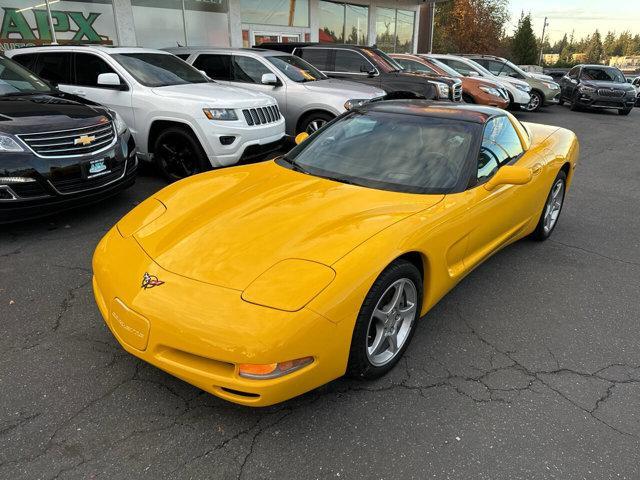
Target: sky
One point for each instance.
(583, 16)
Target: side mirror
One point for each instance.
(473, 73)
(269, 79)
(509, 175)
(110, 80)
(574, 81)
(301, 137)
(205, 74)
(368, 70)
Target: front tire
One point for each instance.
(575, 104)
(536, 102)
(386, 322)
(314, 122)
(624, 111)
(552, 209)
(178, 154)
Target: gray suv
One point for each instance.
(307, 98)
(597, 86)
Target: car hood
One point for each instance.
(542, 76)
(512, 81)
(42, 113)
(228, 227)
(214, 94)
(350, 90)
(612, 85)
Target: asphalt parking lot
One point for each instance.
(530, 369)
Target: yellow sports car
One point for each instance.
(258, 283)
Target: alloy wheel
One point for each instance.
(534, 103)
(391, 322)
(554, 206)
(315, 125)
(178, 158)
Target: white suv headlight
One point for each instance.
(119, 122)
(8, 144)
(220, 113)
(524, 88)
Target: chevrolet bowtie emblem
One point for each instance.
(84, 140)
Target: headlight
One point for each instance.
(524, 88)
(551, 86)
(120, 124)
(354, 103)
(491, 91)
(587, 90)
(443, 89)
(8, 144)
(220, 113)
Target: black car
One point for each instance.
(57, 150)
(368, 65)
(597, 86)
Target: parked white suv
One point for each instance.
(179, 118)
(308, 99)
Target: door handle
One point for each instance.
(536, 169)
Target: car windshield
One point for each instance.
(389, 151)
(389, 60)
(296, 68)
(445, 68)
(603, 75)
(16, 80)
(159, 69)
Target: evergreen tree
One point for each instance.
(594, 48)
(525, 46)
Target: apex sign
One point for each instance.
(30, 26)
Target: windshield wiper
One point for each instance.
(295, 166)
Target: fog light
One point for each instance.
(227, 140)
(16, 180)
(272, 370)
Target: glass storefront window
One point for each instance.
(26, 23)
(343, 23)
(292, 13)
(394, 30)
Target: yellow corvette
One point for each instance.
(258, 283)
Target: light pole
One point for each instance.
(54, 39)
(544, 29)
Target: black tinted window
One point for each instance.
(217, 67)
(318, 57)
(183, 56)
(602, 74)
(27, 60)
(55, 67)
(88, 67)
(248, 70)
(573, 73)
(352, 62)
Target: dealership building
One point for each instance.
(391, 24)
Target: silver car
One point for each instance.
(307, 98)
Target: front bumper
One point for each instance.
(201, 333)
(244, 136)
(59, 184)
(551, 97)
(600, 102)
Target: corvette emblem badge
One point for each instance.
(150, 281)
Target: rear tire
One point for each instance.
(178, 154)
(552, 209)
(386, 322)
(466, 98)
(575, 105)
(561, 101)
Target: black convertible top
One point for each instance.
(429, 108)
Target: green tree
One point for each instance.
(524, 45)
(594, 48)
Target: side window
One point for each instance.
(496, 68)
(461, 67)
(54, 67)
(500, 131)
(573, 73)
(183, 56)
(351, 62)
(318, 57)
(217, 67)
(27, 60)
(88, 67)
(248, 70)
(413, 66)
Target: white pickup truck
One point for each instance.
(179, 118)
